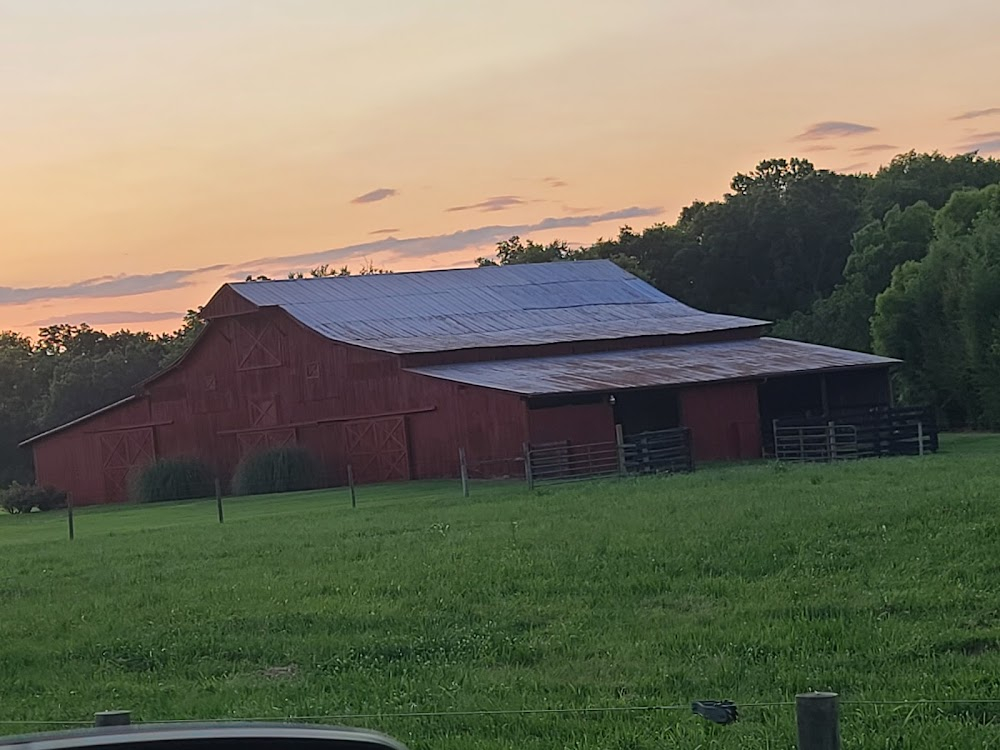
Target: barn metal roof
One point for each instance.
(645, 368)
(496, 306)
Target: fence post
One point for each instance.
(920, 437)
(350, 483)
(620, 444)
(818, 724)
(69, 516)
(218, 498)
(527, 467)
(831, 440)
(464, 467)
(112, 718)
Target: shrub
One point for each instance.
(172, 479)
(275, 470)
(20, 498)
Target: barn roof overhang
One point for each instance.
(78, 420)
(692, 364)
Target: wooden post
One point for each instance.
(527, 467)
(350, 483)
(69, 517)
(920, 437)
(831, 440)
(464, 467)
(818, 724)
(620, 444)
(774, 432)
(112, 719)
(218, 498)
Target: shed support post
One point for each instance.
(920, 438)
(620, 445)
(527, 467)
(831, 440)
(69, 516)
(464, 468)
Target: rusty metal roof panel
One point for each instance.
(535, 303)
(651, 367)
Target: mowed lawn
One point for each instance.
(877, 579)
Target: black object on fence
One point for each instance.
(721, 712)
(856, 433)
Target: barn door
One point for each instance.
(121, 453)
(378, 450)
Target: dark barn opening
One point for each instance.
(647, 410)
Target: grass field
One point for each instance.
(877, 579)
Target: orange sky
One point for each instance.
(153, 150)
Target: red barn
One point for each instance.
(394, 373)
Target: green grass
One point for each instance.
(876, 579)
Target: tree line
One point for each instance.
(904, 262)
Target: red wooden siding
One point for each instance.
(723, 420)
(262, 380)
(577, 423)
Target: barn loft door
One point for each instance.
(378, 450)
(121, 453)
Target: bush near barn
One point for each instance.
(20, 498)
(275, 470)
(173, 479)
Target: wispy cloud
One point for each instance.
(987, 143)
(374, 196)
(105, 286)
(554, 182)
(874, 148)
(978, 113)
(852, 168)
(108, 317)
(496, 203)
(388, 230)
(819, 147)
(833, 129)
(415, 247)
(409, 247)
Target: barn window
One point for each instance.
(263, 412)
(312, 371)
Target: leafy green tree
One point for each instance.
(22, 388)
(941, 315)
(932, 178)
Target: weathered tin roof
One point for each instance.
(518, 305)
(646, 368)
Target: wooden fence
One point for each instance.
(644, 453)
(859, 433)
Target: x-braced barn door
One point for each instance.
(121, 452)
(378, 450)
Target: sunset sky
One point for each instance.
(152, 150)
